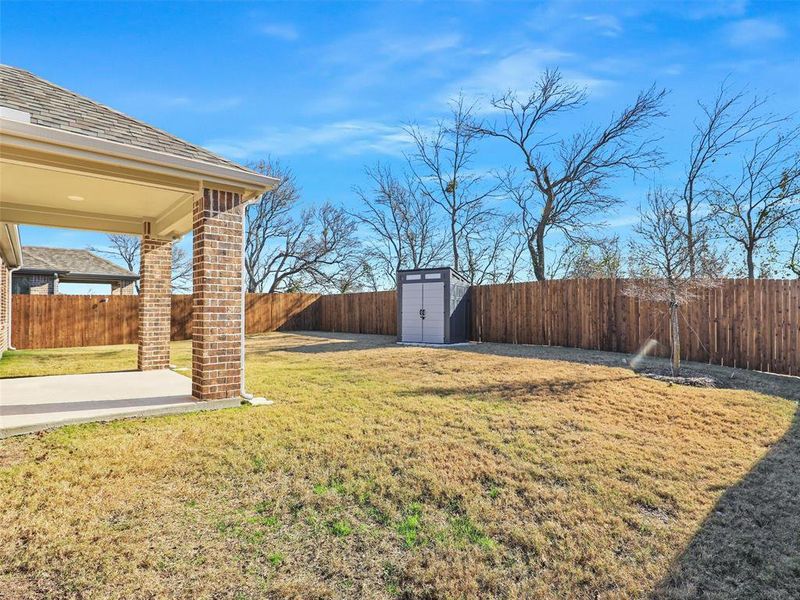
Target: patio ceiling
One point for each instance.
(60, 178)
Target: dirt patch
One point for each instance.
(703, 382)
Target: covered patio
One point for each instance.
(67, 161)
(29, 404)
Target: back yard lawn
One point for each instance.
(385, 471)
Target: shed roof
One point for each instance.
(38, 259)
(50, 105)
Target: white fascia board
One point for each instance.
(10, 245)
(15, 133)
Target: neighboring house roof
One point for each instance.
(71, 264)
(50, 105)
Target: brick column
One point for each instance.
(155, 296)
(216, 297)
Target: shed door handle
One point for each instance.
(421, 313)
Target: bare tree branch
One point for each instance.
(441, 168)
(660, 265)
(127, 249)
(764, 200)
(288, 248)
(728, 121)
(402, 227)
(794, 256)
(566, 181)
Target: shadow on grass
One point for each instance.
(749, 545)
(508, 390)
(328, 342)
(727, 377)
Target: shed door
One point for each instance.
(411, 315)
(433, 304)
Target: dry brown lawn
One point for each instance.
(384, 471)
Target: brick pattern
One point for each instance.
(154, 302)
(124, 288)
(5, 305)
(35, 285)
(216, 298)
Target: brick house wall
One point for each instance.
(35, 285)
(123, 288)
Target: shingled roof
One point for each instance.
(52, 106)
(69, 261)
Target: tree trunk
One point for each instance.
(537, 256)
(751, 268)
(675, 336)
(690, 239)
(455, 245)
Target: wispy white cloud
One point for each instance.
(380, 47)
(623, 220)
(750, 32)
(339, 138)
(280, 31)
(673, 70)
(609, 25)
(157, 101)
(518, 70)
(363, 62)
(712, 9)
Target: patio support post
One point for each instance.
(216, 297)
(155, 289)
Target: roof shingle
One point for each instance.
(69, 260)
(50, 105)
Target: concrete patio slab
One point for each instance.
(29, 404)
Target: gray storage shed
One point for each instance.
(432, 306)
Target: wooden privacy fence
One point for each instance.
(747, 324)
(364, 312)
(741, 323)
(66, 321)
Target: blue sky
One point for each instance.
(325, 87)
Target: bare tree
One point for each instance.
(729, 120)
(182, 270)
(124, 248)
(659, 262)
(289, 248)
(597, 259)
(268, 220)
(353, 276)
(492, 251)
(402, 227)
(127, 250)
(443, 172)
(764, 199)
(794, 253)
(567, 182)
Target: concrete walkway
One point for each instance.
(30, 404)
